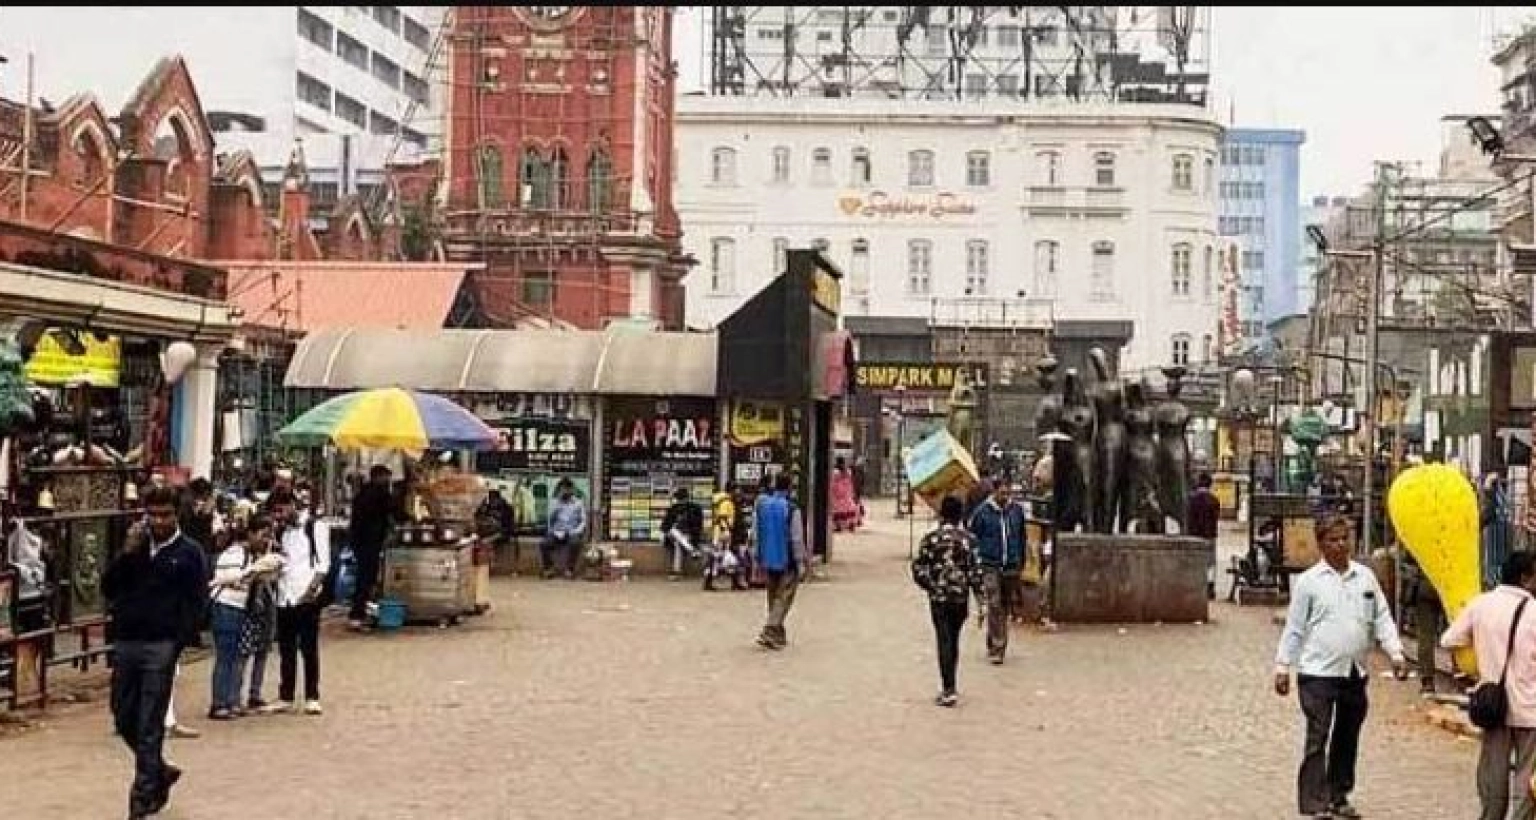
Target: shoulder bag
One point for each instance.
(1488, 705)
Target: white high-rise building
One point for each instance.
(265, 74)
(1075, 211)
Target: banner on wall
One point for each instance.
(100, 364)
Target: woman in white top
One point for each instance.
(233, 573)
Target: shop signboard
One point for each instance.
(539, 445)
(756, 434)
(99, 363)
(652, 449)
(675, 435)
(916, 377)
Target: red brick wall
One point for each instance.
(572, 86)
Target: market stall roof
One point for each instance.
(307, 296)
(619, 361)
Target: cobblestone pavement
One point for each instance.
(649, 700)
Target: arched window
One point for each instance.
(599, 181)
(781, 164)
(173, 143)
(858, 268)
(821, 166)
(559, 180)
(862, 172)
(93, 157)
(488, 172)
(534, 180)
(1101, 284)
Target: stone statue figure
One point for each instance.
(1171, 418)
(1074, 471)
(1139, 504)
(962, 410)
(1048, 411)
(1108, 484)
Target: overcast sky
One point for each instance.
(1365, 84)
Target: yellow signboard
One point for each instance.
(914, 376)
(826, 293)
(100, 365)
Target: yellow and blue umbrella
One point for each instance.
(389, 419)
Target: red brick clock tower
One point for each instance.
(559, 162)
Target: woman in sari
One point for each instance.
(845, 501)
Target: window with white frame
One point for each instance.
(919, 267)
(1180, 268)
(1180, 349)
(978, 169)
(977, 265)
(722, 265)
(858, 268)
(1101, 274)
(920, 169)
(1047, 259)
(862, 173)
(1049, 163)
(781, 164)
(780, 254)
(1104, 169)
(1208, 274)
(1183, 172)
(722, 166)
(821, 166)
(1207, 348)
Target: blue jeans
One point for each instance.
(226, 655)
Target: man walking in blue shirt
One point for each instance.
(780, 535)
(1338, 612)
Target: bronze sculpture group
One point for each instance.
(1120, 463)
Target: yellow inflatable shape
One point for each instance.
(1434, 510)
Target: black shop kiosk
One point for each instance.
(782, 353)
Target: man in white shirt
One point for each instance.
(1488, 626)
(1337, 613)
(306, 552)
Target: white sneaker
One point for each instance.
(312, 707)
(278, 707)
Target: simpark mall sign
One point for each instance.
(881, 205)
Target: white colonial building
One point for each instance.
(1078, 211)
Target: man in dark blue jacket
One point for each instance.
(998, 524)
(157, 590)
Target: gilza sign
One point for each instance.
(881, 205)
(540, 445)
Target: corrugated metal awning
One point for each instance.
(616, 362)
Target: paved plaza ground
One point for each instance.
(649, 700)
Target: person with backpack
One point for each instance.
(239, 568)
(1497, 625)
(306, 565)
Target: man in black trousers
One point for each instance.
(372, 514)
(156, 589)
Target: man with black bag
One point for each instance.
(1504, 703)
(1337, 614)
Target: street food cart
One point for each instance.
(430, 564)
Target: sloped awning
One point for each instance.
(579, 362)
(71, 299)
